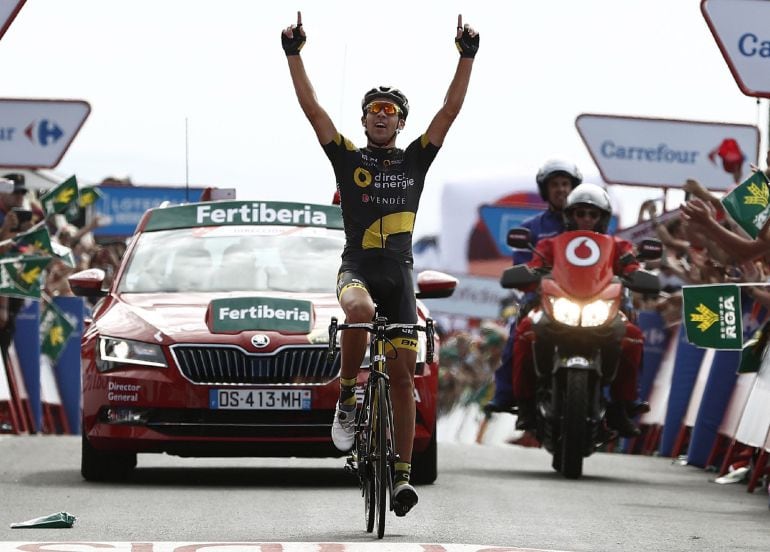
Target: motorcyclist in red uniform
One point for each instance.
(587, 208)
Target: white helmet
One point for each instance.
(555, 166)
(589, 194)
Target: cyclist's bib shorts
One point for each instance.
(389, 283)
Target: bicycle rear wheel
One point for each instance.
(381, 470)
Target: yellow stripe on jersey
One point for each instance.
(408, 343)
(395, 223)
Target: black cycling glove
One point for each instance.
(293, 45)
(467, 45)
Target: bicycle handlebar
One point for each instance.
(380, 324)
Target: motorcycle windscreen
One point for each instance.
(582, 262)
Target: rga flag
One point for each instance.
(748, 203)
(61, 197)
(712, 316)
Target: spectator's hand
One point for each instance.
(697, 211)
(466, 39)
(293, 37)
(694, 187)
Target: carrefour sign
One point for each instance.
(741, 30)
(666, 152)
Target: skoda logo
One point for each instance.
(260, 341)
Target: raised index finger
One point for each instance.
(299, 18)
(459, 21)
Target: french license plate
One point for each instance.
(259, 399)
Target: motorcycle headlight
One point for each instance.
(114, 352)
(565, 311)
(596, 313)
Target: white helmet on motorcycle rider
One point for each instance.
(555, 167)
(593, 199)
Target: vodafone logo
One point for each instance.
(582, 251)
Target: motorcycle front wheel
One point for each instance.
(574, 422)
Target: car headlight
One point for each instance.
(596, 313)
(565, 311)
(114, 352)
(591, 315)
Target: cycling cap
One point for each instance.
(589, 194)
(554, 167)
(387, 93)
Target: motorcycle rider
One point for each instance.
(587, 208)
(555, 180)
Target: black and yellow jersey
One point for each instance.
(380, 191)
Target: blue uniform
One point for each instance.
(544, 225)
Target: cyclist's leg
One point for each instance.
(358, 307)
(400, 306)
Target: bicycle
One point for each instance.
(373, 456)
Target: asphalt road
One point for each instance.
(487, 495)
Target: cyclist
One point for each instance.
(555, 180)
(380, 187)
(587, 208)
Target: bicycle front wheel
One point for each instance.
(381, 469)
(364, 444)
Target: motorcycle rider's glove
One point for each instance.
(466, 44)
(293, 45)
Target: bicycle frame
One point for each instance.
(373, 457)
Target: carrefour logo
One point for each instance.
(751, 45)
(582, 251)
(662, 153)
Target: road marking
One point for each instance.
(53, 546)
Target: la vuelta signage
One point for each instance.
(741, 30)
(666, 152)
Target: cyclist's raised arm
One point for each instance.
(292, 40)
(467, 42)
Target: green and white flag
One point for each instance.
(61, 197)
(64, 254)
(21, 276)
(55, 330)
(748, 203)
(36, 240)
(712, 316)
(89, 195)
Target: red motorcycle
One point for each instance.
(578, 328)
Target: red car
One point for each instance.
(213, 335)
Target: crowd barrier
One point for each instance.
(38, 395)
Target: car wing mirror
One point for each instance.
(432, 284)
(88, 283)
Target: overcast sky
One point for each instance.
(147, 65)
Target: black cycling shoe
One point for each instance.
(617, 419)
(404, 499)
(526, 419)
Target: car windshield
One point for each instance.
(235, 258)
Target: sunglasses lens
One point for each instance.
(388, 108)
